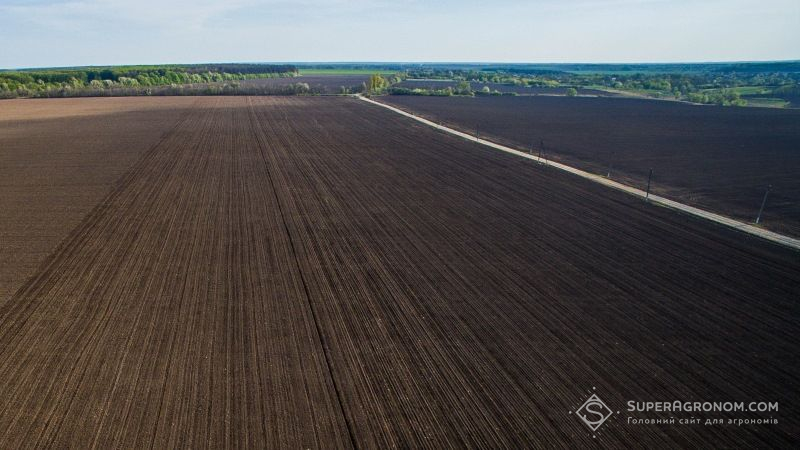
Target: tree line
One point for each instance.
(711, 85)
(121, 80)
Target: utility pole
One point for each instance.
(541, 153)
(649, 178)
(763, 202)
(610, 163)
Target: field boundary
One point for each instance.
(697, 212)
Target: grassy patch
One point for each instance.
(766, 102)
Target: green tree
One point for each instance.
(301, 88)
(463, 88)
(376, 84)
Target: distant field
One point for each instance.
(781, 101)
(717, 158)
(520, 90)
(767, 102)
(366, 72)
(794, 100)
(325, 84)
(762, 96)
(751, 90)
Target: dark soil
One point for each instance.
(717, 158)
(319, 272)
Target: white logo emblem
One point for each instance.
(594, 412)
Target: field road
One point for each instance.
(320, 272)
(741, 226)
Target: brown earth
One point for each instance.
(319, 272)
(322, 84)
(58, 159)
(717, 158)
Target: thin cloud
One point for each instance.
(72, 32)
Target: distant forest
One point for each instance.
(130, 80)
(774, 84)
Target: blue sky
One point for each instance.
(51, 33)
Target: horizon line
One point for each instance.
(476, 63)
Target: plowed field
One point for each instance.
(58, 159)
(717, 158)
(321, 84)
(319, 272)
